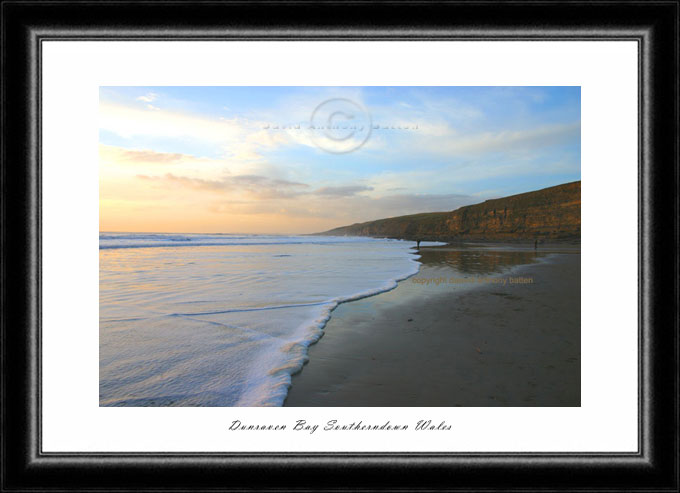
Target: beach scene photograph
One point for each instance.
(339, 246)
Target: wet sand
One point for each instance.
(468, 330)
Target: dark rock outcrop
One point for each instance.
(551, 213)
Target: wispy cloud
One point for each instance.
(344, 191)
(346, 210)
(148, 98)
(511, 140)
(254, 186)
(141, 156)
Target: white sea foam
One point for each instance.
(226, 323)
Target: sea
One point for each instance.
(226, 320)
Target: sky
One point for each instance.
(295, 160)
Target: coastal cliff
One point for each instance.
(550, 214)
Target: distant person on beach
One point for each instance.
(418, 244)
(535, 244)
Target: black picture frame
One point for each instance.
(654, 25)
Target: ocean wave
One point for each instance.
(124, 240)
(211, 328)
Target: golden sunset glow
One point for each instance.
(247, 160)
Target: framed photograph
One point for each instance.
(340, 246)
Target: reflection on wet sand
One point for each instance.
(457, 343)
(485, 260)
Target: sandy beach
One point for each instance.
(479, 325)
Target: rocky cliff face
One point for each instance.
(550, 213)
